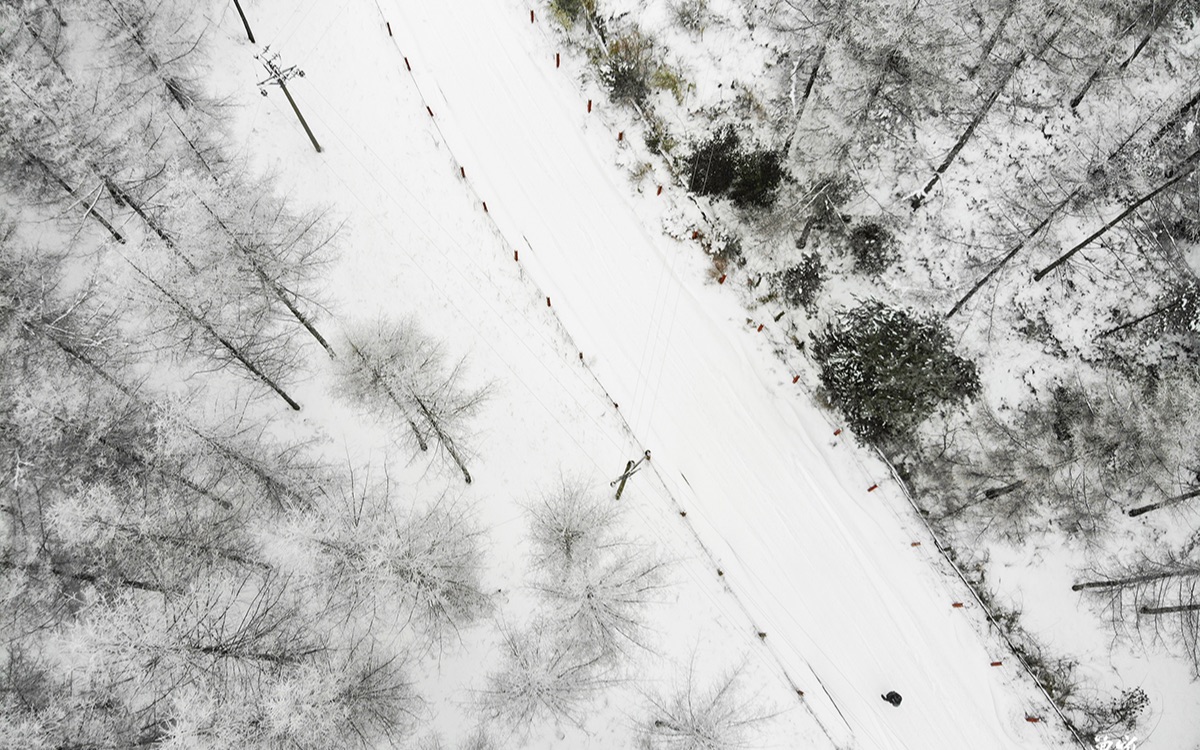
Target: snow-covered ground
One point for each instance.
(822, 566)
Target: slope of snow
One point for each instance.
(824, 568)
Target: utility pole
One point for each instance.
(631, 468)
(278, 76)
(246, 23)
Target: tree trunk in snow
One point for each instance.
(1176, 118)
(1135, 580)
(446, 441)
(391, 394)
(1181, 170)
(1156, 20)
(1164, 503)
(1036, 230)
(990, 44)
(283, 295)
(970, 131)
(90, 211)
(1169, 610)
(203, 324)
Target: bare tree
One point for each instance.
(718, 716)
(160, 39)
(603, 602)
(1158, 598)
(1113, 160)
(284, 251)
(542, 677)
(1177, 173)
(224, 328)
(1146, 20)
(1006, 14)
(596, 583)
(396, 369)
(421, 568)
(569, 526)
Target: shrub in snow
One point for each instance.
(720, 166)
(570, 11)
(690, 15)
(658, 138)
(1108, 742)
(888, 369)
(479, 740)
(873, 248)
(799, 284)
(714, 163)
(627, 69)
(1119, 714)
(1069, 408)
(665, 78)
(758, 176)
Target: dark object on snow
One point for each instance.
(892, 697)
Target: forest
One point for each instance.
(184, 563)
(974, 227)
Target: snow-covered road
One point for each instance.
(825, 568)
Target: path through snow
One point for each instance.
(825, 568)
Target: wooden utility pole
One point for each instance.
(245, 23)
(279, 76)
(631, 468)
(1135, 512)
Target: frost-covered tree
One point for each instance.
(421, 567)
(203, 315)
(595, 583)
(153, 42)
(569, 526)
(541, 677)
(396, 370)
(602, 602)
(718, 715)
(280, 251)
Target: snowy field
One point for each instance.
(568, 258)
